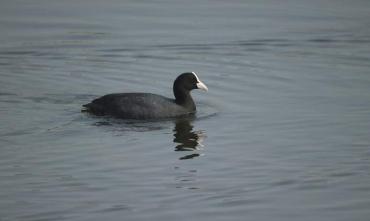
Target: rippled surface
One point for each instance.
(282, 134)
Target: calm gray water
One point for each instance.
(282, 134)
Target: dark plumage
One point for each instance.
(147, 105)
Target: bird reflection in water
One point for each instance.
(187, 139)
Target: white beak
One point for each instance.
(202, 86)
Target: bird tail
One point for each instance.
(86, 107)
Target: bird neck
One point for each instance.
(184, 99)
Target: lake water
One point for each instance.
(282, 134)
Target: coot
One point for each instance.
(147, 105)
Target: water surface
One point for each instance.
(282, 134)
